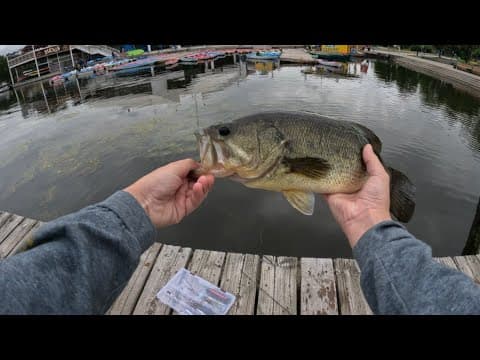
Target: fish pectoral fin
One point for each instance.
(311, 167)
(301, 200)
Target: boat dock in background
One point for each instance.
(67, 69)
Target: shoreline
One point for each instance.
(461, 80)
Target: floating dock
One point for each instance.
(297, 56)
(262, 284)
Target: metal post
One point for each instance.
(10, 71)
(213, 65)
(36, 62)
(234, 58)
(149, 48)
(55, 92)
(59, 66)
(206, 66)
(78, 86)
(196, 110)
(71, 56)
(16, 95)
(45, 97)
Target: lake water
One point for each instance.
(65, 147)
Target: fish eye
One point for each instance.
(224, 131)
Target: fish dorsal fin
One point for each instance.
(301, 200)
(312, 167)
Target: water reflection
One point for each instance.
(46, 98)
(43, 98)
(7, 100)
(346, 70)
(146, 118)
(70, 145)
(436, 93)
(262, 67)
(406, 80)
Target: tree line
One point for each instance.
(463, 52)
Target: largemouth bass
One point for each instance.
(298, 154)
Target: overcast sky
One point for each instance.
(5, 49)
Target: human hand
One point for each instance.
(358, 212)
(168, 194)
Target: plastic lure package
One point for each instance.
(189, 294)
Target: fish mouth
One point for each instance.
(203, 143)
(212, 155)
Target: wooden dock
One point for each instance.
(297, 56)
(262, 284)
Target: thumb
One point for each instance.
(182, 167)
(374, 166)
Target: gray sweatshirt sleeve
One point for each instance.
(79, 263)
(399, 276)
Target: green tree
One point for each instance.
(476, 53)
(465, 52)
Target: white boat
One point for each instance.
(335, 64)
(4, 87)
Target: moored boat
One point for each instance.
(330, 56)
(57, 80)
(200, 57)
(264, 55)
(145, 62)
(4, 87)
(336, 64)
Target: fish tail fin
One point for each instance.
(402, 195)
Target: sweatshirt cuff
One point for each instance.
(133, 215)
(375, 238)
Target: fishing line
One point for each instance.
(266, 293)
(196, 111)
(287, 263)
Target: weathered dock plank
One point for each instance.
(169, 261)
(17, 234)
(262, 285)
(318, 290)
(351, 299)
(277, 293)
(239, 277)
(128, 298)
(9, 225)
(299, 56)
(3, 217)
(448, 261)
(27, 238)
(207, 264)
(470, 265)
